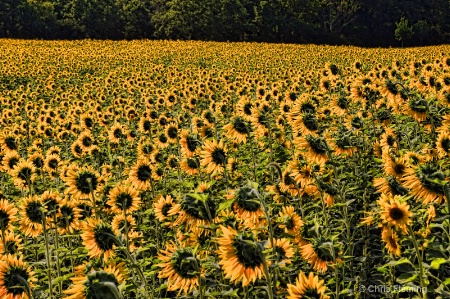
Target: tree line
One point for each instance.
(356, 22)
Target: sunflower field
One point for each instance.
(169, 169)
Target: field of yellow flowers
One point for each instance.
(157, 169)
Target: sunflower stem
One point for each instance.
(94, 204)
(419, 258)
(58, 267)
(47, 255)
(266, 273)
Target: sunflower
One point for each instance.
(77, 149)
(116, 133)
(315, 147)
(24, 174)
(8, 212)
(214, 156)
(241, 257)
(317, 256)
(67, 218)
(98, 238)
(51, 164)
(31, 216)
(389, 185)
(172, 132)
(118, 224)
(82, 182)
(181, 268)
(37, 160)
(162, 206)
(145, 125)
(147, 149)
(443, 144)
(237, 130)
(124, 198)
(96, 283)
(194, 212)
(246, 206)
(289, 220)
(391, 239)
(9, 142)
(395, 211)
(190, 165)
(12, 244)
(189, 143)
(86, 141)
(16, 278)
(283, 251)
(426, 182)
(287, 183)
(142, 174)
(395, 167)
(307, 287)
(11, 159)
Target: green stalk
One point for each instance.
(47, 256)
(419, 258)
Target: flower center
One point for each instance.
(240, 126)
(396, 213)
(218, 156)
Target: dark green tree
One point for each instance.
(403, 31)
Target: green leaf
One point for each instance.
(406, 277)
(436, 263)
(225, 205)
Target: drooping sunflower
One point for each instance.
(181, 268)
(307, 287)
(389, 185)
(391, 239)
(98, 238)
(214, 156)
(81, 183)
(316, 148)
(237, 130)
(172, 132)
(395, 211)
(194, 212)
(124, 198)
(31, 216)
(241, 256)
(86, 140)
(426, 182)
(96, 283)
(246, 206)
(51, 164)
(141, 175)
(317, 256)
(16, 278)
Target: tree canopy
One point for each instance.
(356, 22)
